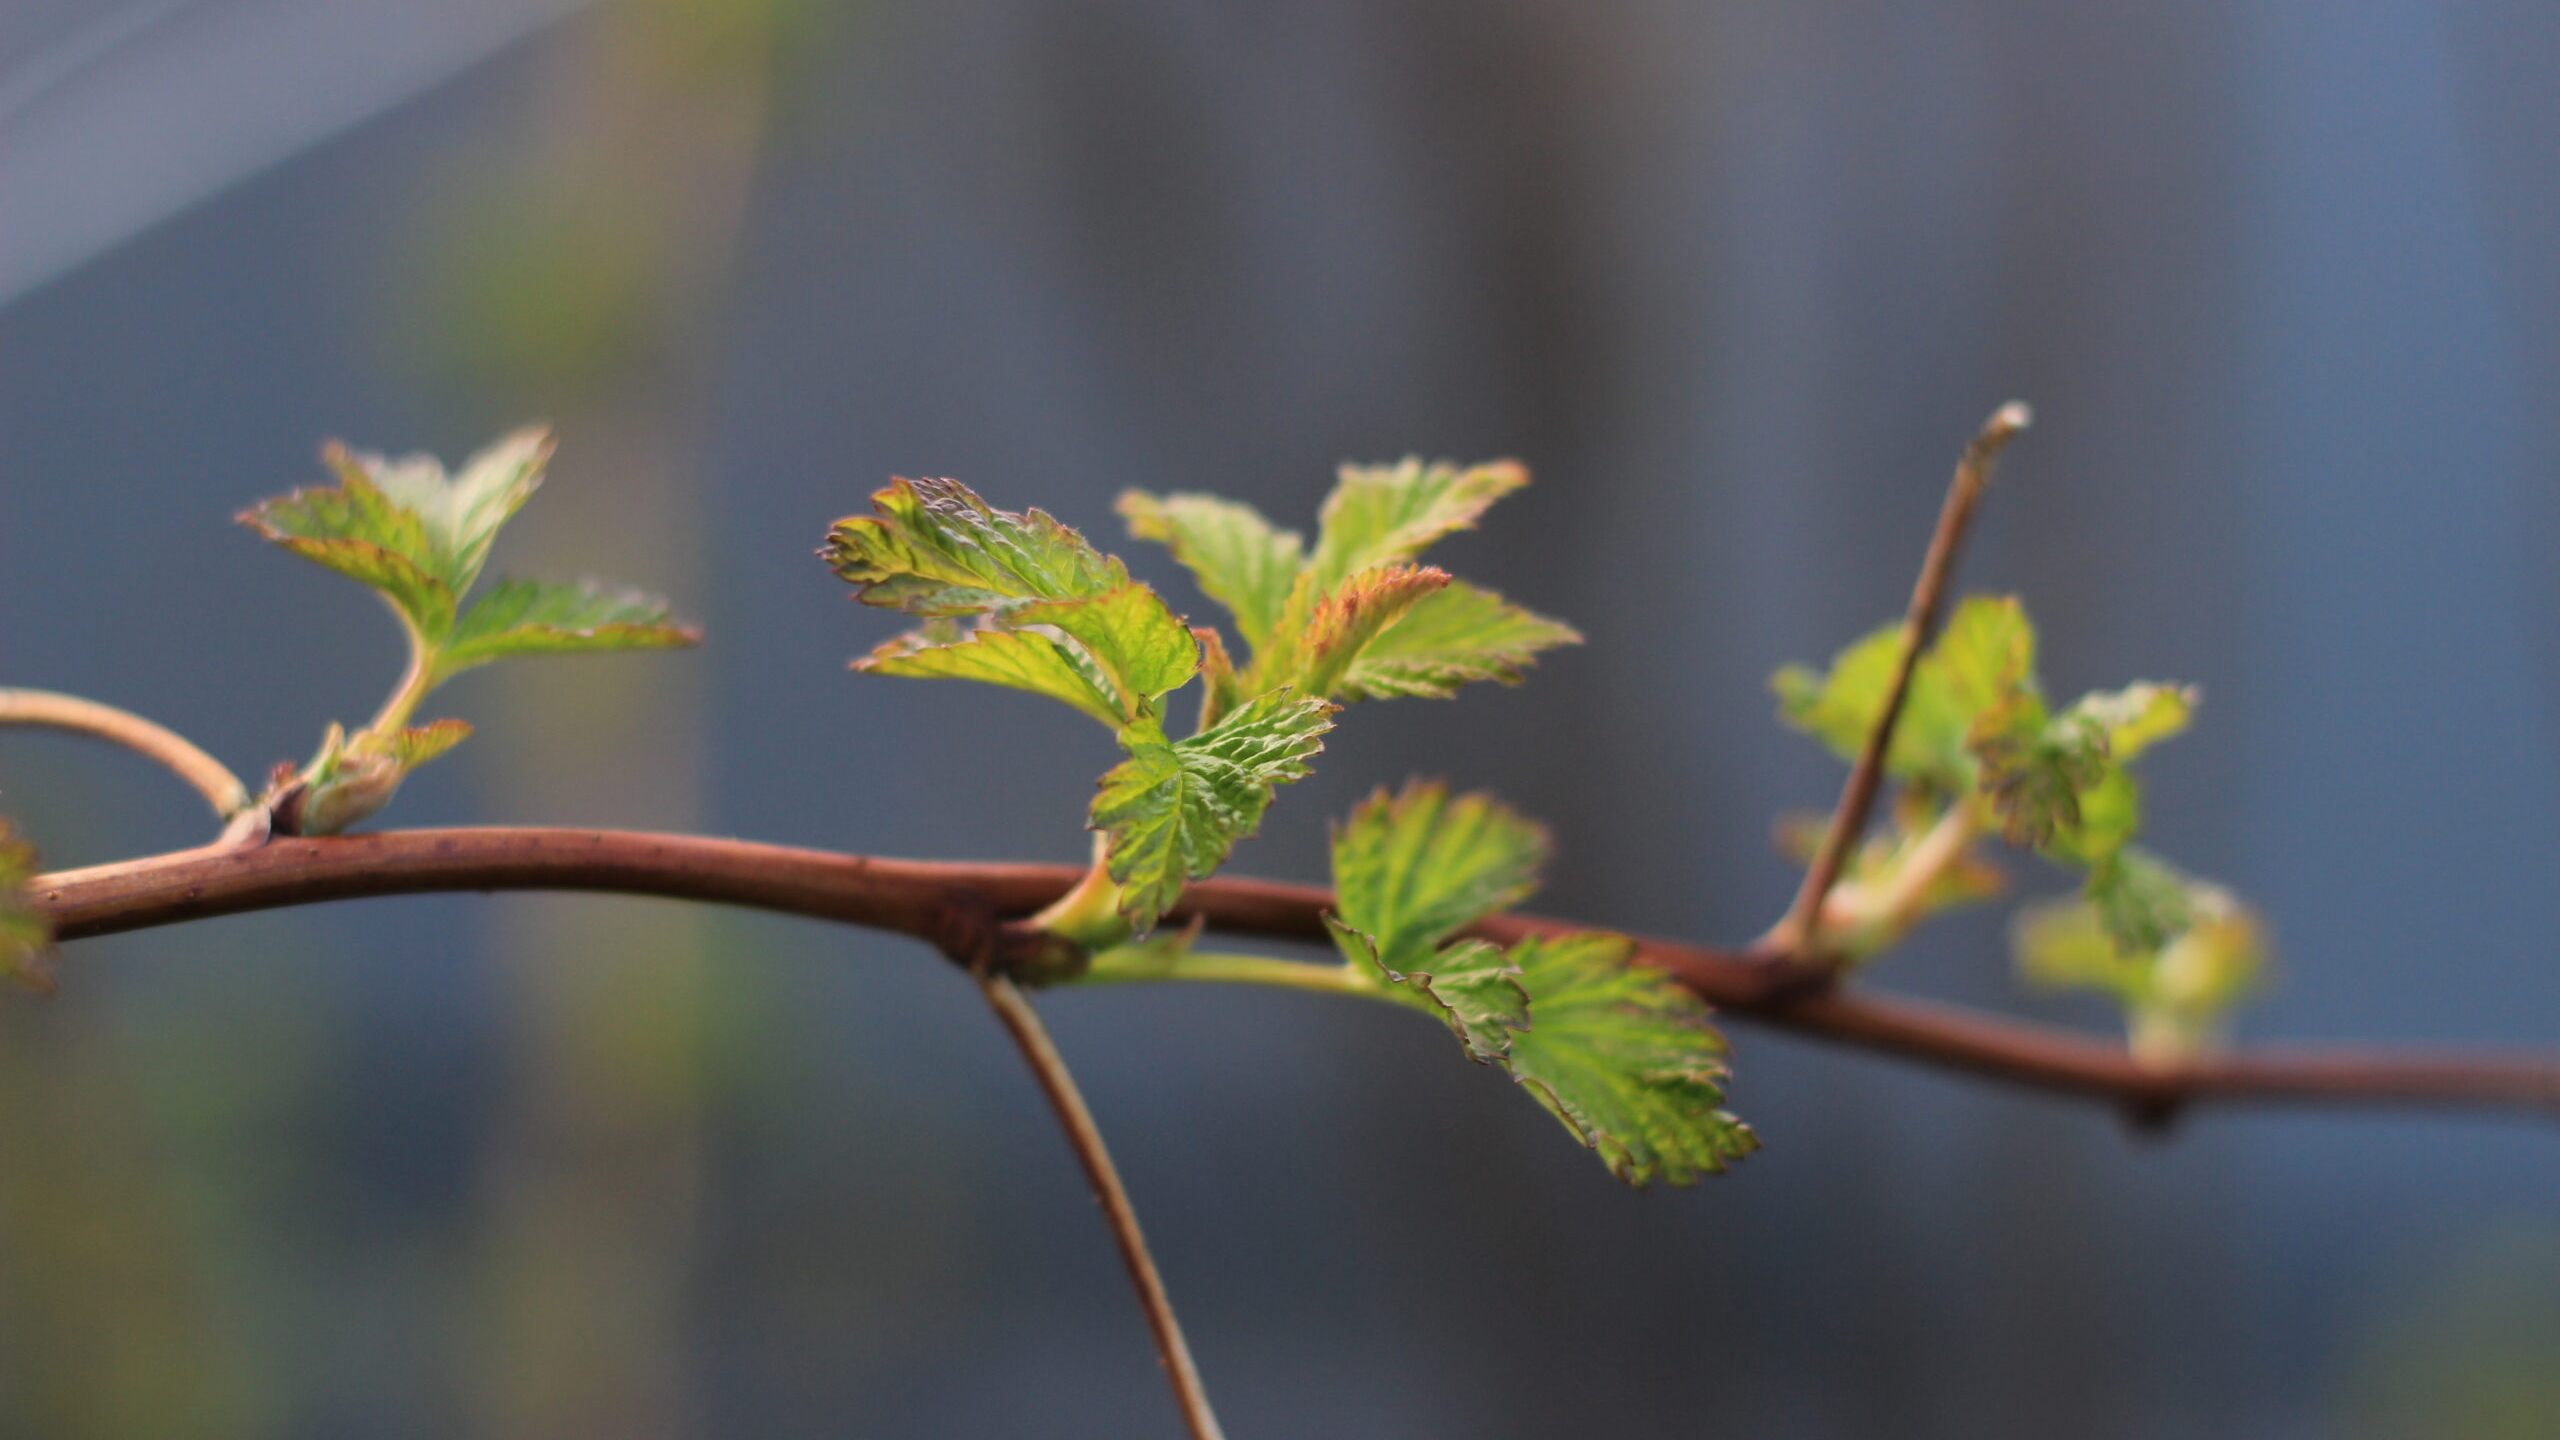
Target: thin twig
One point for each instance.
(914, 897)
(210, 777)
(1085, 1138)
(1800, 932)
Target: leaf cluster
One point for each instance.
(1620, 1054)
(1023, 601)
(419, 538)
(1979, 750)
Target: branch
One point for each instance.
(918, 898)
(210, 777)
(1800, 932)
(1085, 1138)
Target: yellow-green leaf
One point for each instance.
(1173, 811)
(1625, 1059)
(1141, 645)
(1240, 559)
(1454, 636)
(534, 617)
(1019, 659)
(2178, 987)
(933, 548)
(1414, 868)
(1387, 514)
(1348, 621)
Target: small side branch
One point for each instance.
(1031, 1037)
(1800, 932)
(210, 777)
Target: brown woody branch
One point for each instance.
(1800, 932)
(950, 904)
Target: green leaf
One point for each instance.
(402, 527)
(2060, 784)
(1387, 514)
(534, 617)
(1412, 869)
(1626, 1059)
(1021, 659)
(357, 531)
(460, 516)
(2199, 957)
(26, 937)
(1110, 656)
(2136, 717)
(1984, 656)
(1240, 559)
(1173, 811)
(1347, 621)
(418, 744)
(933, 548)
(2141, 899)
(1471, 986)
(1454, 636)
(1141, 645)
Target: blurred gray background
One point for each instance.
(1734, 279)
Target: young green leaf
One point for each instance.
(1141, 645)
(403, 527)
(1240, 559)
(1622, 1055)
(1454, 636)
(26, 940)
(421, 538)
(418, 744)
(1355, 620)
(1172, 811)
(1626, 1059)
(1414, 868)
(1388, 514)
(2136, 717)
(534, 617)
(2059, 783)
(2201, 958)
(357, 531)
(1471, 986)
(1056, 617)
(1985, 656)
(1020, 659)
(933, 548)
(1348, 621)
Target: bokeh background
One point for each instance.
(1735, 279)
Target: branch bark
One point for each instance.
(917, 898)
(1800, 932)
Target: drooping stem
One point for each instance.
(210, 777)
(1032, 1038)
(1800, 932)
